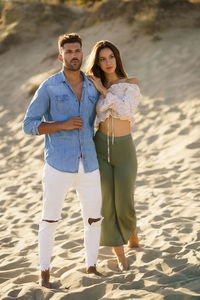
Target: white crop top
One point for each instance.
(120, 102)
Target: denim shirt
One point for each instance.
(55, 100)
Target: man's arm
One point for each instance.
(33, 123)
(50, 127)
(36, 110)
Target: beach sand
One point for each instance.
(167, 197)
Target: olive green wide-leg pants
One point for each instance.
(117, 183)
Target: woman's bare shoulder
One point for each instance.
(132, 80)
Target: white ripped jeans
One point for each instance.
(55, 185)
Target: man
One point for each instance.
(63, 108)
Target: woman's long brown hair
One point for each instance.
(93, 68)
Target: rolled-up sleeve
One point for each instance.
(36, 110)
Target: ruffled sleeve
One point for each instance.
(106, 103)
(129, 102)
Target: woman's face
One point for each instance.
(107, 61)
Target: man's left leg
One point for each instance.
(55, 187)
(89, 192)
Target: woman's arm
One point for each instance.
(125, 104)
(98, 84)
(112, 101)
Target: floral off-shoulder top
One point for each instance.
(120, 102)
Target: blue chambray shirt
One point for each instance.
(55, 100)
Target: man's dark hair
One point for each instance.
(68, 38)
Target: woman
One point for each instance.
(115, 148)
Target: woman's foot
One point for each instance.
(133, 241)
(121, 258)
(45, 276)
(123, 266)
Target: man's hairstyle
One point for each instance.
(68, 38)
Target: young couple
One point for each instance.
(102, 168)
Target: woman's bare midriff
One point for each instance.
(120, 127)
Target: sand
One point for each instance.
(167, 138)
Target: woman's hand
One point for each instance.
(98, 84)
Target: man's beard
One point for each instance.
(74, 67)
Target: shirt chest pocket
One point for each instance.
(62, 104)
(92, 99)
(91, 104)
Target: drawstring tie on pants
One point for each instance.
(108, 142)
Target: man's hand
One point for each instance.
(73, 123)
(51, 127)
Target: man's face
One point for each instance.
(71, 56)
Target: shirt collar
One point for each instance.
(86, 82)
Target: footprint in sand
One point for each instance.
(195, 145)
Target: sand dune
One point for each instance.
(167, 138)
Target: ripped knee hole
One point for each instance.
(91, 220)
